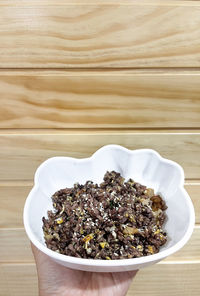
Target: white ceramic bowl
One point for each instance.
(145, 166)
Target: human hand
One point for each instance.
(57, 280)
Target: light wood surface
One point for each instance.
(18, 280)
(99, 99)
(15, 246)
(26, 151)
(194, 192)
(164, 280)
(99, 2)
(161, 279)
(113, 34)
(12, 199)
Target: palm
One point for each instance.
(55, 279)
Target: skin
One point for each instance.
(57, 280)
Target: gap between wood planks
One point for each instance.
(100, 131)
(104, 71)
(100, 2)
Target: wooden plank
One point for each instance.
(99, 2)
(194, 192)
(21, 154)
(100, 100)
(12, 199)
(190, 252)
(164, 280)
(113, 34)
(15, 247)
(172, 279)
(18, 280)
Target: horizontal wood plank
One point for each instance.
(18, 280)
(113, 34)
(172, 279)
(12, 199)
(99, 2)
(21, 154)
(15, 247)
(190, 252)
(100, 100)
(165, 280)
(194, 192)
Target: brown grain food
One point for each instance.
(113, 220)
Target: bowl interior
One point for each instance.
(144, 166)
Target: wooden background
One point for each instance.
(75, 75)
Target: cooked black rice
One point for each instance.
(113, 220)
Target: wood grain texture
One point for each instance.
(99, 2)
(165, 280)
(160, 280)
(99, 100)
(12, 199)
(100, 34)
(20, 154)
(15, 248)
(190, 252)
(18, 280)
(194, 193)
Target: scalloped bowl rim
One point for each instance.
(118, 262)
